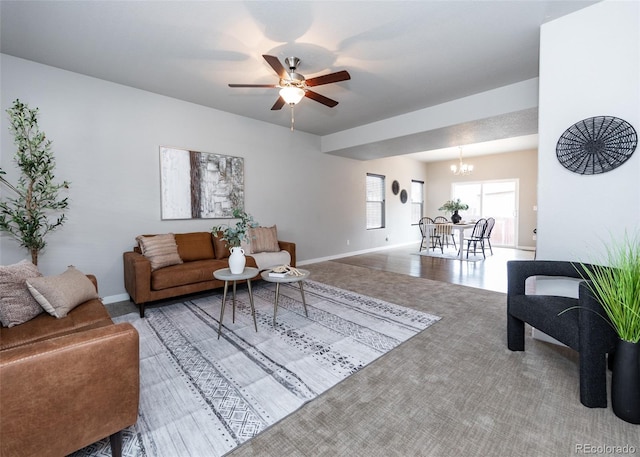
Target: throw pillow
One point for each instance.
(220, 246)
(194, 246)
(161, 250)
(17, 305)
(264, 239)
(60, 294)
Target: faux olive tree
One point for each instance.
(29, 211)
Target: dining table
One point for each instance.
(460, 228)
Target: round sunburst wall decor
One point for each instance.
(596, 145)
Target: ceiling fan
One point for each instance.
(293, 86)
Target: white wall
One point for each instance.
(106, 140)
(589, 66)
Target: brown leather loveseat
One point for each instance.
(67, 382)
(199, 254)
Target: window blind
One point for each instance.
(375, 201)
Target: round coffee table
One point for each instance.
(226, 276)
(286, 279)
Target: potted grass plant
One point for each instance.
(617, 288)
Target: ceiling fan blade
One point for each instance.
(253, 85)
(276, 65)
(328, 79)
(278, 104)
(320, 98)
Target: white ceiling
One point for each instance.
(402, 56)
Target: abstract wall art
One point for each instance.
(200, 185)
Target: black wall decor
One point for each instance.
(403, 196)
(395, 187)
(596, 145)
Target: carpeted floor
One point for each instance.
(454, 390)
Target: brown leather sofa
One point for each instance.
(201, 254)
(67, 383)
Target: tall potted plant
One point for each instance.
(28, 213)
(453, 206)
(617, 288)
(234, 236)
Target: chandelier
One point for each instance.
(462, 168)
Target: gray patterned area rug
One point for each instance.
(203, 396)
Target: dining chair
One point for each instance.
(428, 232)
(477, 236)
(491, 222)
(445, 230)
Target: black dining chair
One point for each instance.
(491, 222)
(428, 232)
(477, 236)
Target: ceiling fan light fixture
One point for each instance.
(291, 95)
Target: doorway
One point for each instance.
(497, 199)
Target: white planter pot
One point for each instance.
(237, 260)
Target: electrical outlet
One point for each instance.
(347, 242)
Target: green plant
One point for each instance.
(451, 206)
(238, 233)
(27, 215)
(617, 286)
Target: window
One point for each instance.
(417, 201)
(375, 201)
(497, 199)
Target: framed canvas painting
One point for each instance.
(200, 185)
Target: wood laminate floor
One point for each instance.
(490, 274)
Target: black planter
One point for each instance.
(455, 217)
(625, 382)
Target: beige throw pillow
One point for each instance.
(17, 305)
(161, 250)
(60, 294)
(264, 239)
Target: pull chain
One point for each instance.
(292, 117)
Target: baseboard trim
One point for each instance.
(115, 298)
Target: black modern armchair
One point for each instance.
(584, 327)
